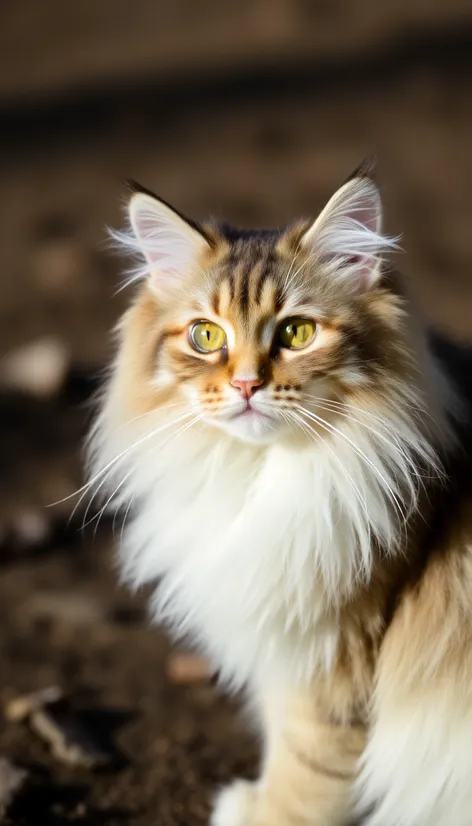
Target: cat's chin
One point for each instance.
(251, 427)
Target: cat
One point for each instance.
(283, 440)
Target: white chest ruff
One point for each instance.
(252, 552)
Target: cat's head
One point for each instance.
(252, 331)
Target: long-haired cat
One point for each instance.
(281, 438)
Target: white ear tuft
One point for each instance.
(169, 244)
(347, 236)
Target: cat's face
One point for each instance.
(256, 332)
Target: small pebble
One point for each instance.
(38, 368)
(183, 667)
(31, 528)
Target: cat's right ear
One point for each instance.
(347, 236)
(169, 243)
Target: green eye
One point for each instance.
(207, 337)
(296, 333)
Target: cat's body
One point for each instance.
(291, 502)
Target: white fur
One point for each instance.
(255, 545)
(167, 243)
(418, 763)
(349, 229)
(234, 804)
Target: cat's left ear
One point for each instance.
(170, 244)
(347, 235)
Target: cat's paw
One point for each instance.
(234, 805)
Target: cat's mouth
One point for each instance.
(248, 422)
(249, 411)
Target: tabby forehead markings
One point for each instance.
(248, 286)
(241, 277)
(249, 276)
(231, 263)
(267, 272)
(215, 301)
(225, 297)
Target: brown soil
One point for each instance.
(259, 145)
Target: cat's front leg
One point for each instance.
(308, 769)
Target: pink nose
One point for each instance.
(247, 387)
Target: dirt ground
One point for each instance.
(258, 149)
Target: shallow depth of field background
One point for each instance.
(255, 110)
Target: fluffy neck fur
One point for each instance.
(258, 549)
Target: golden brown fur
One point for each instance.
(398, 624)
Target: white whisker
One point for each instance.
(360, 497)
(399, 448)
(332, 429)
(287, 281)
(110, 466)
(88, 484)
(99, 515)
(302, 265)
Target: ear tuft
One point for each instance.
(169, 244)
(366, 169)
(347, 236)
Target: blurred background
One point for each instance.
(255, 110)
